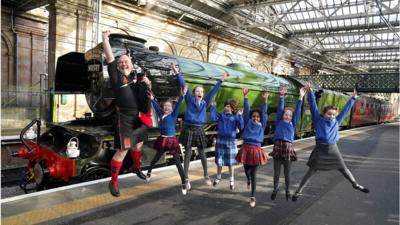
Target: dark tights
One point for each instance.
(177, 161)
(346, 173)
(277, 171)
(251, 174)
(188, 155)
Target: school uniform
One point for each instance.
(167, 140)
(326, 154)
(193, 134)
(284, 132)
(253, 136)
(226, 149)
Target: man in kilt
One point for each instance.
(130, 98)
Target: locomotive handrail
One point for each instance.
(21, 136)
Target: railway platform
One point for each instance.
(371, 153)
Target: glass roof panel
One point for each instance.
(351, 18)
(302, 5)
(346, 11)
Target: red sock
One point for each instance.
(115, 167)
(136, 155)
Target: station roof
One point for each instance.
(361, 36)
(339, 35)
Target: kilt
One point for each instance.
(225, 152)
(128, 131)
(326, 157)
(252, 155)
(169, 144)
(193, 136)
(283, 150)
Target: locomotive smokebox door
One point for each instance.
(71, 74)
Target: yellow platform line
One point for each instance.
(91, 202)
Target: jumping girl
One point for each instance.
(251, 154)
(168, 142)
(225, 149)
(192, 134)
(283, 151)
(326, 154)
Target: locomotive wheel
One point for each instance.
(95, 174)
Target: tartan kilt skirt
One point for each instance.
(168, 144)
(283, 150)
(252, 155)
(128, 131)
(193, 136)
(225, 152)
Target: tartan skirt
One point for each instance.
(283, 150)
(252, 155)
(225, 152)
(193, 136)
(168, 144)
(326, 157)
(128, 131)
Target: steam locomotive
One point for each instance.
(82, 149)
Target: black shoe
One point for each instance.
(295, 196)
(139, 173)
(361, 188)
(273, 194)
(113, 189)
(288, 196)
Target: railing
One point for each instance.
(19, 105)
(378, 82)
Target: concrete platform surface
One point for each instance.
(371, 153)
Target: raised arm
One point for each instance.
(312, 102)
(264, 110)
(157, 107)
(239, 120)
(213, 113)
(180, 99)
(181, 81)
(297, 111)
(246, 112)
(347, 107)
(281, 104)
(107, 47)
(177, 106)
(208, 98)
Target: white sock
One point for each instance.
(232, 179)
(219, 176)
